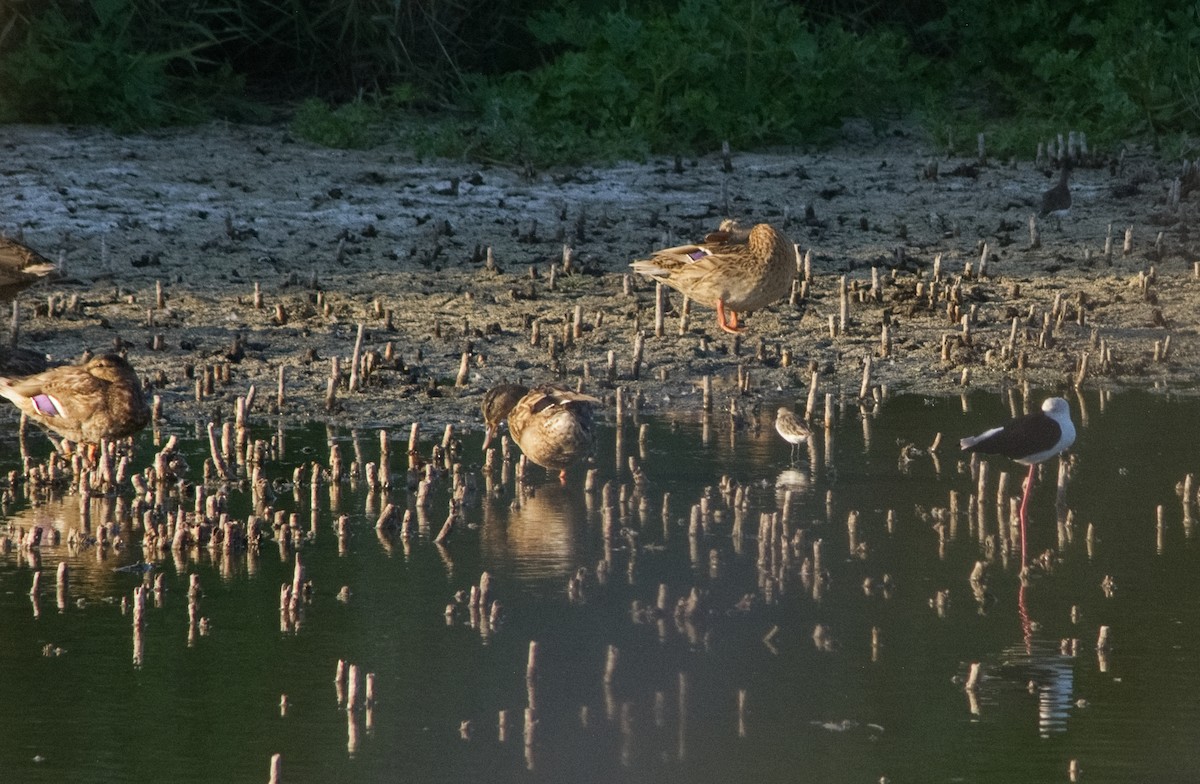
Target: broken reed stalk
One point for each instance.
(447, 527)
(62, 584)
(811, 405)
(218, 459)
(660, 306)
(352, 681)
(685, 311)
(611, 658)
(531, 674)
(331, 393)
(356, 358)
(865, 389)
(1082, 370)
(384, 471)
(843, 306)
(464, 367)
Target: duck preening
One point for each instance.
(552, 426)
(100, 399)
(733, 270)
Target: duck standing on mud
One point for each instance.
(733, 270)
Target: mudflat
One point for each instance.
(401, 246)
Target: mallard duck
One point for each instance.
(733, 270)
(99, 399)
(21, 267)
(792, 428)
(552, 425)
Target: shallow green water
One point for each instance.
(818, 701)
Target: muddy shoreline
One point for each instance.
(335, 239)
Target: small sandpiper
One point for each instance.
(793, 429)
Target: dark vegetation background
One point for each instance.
(541, 81)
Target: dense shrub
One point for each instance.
(94, 62)
(686, 76)
(1115, 68)
(546, 80)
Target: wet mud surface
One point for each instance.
(337, 239)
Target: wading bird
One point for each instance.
(552, 425)
(1029, 440)
(792, 428)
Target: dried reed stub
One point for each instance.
(974, 673)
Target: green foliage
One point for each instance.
(1113, 68)
(90, 64)
(542, 81)
(354, 125)
(753, 72)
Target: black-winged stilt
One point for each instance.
(1029, 440)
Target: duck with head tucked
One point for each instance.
(553, 426)
(733, 270)
(100, 399)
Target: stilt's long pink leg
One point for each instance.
(1024, 504)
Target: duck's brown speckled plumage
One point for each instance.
(21, 267)
(99, 399)
(733, 269)
(552, 425)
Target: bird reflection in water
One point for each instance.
(1045, 668)
(535, 534)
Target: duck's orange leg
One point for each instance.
(730, 324)
(562, 477)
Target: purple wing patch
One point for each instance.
(696, 255)
(46, 405)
